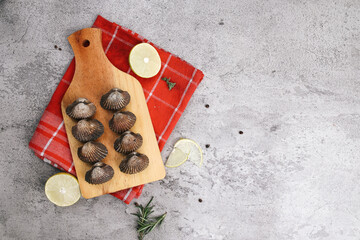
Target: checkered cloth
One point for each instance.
(50, 141)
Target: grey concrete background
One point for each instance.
(286, 73)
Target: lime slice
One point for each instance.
(192, 149)
(176, 158)
(62, 189)
(144, 60)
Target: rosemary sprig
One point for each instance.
(170, 84)
(145, 223)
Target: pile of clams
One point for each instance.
(121, 122)
(87, 130)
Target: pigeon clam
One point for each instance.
(134, 163)
(122, 121)
(87, 130)
(81, 108)
(99, 173)
(128, 142)
(92, 152)
(115, 99)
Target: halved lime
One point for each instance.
(144, 60)
(176, 158)
(62, 189)
(192, 149)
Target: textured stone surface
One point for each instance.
(286, 73)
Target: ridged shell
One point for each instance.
(92, 152)
(87, 130)
(99, 173)
(134, 163)
(115, 99)
(122, 121)
(81, 108)
(128, 142)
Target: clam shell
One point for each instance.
(92, 152)
(87, 130)
(99, 173)
(115, 99)
(128, 142)
(81, 108)
(122, 121)
(134, 162)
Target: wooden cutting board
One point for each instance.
(94, 76)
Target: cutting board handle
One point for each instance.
(87, 46)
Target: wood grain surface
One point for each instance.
(94, 76)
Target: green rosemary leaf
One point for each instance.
(145, 223)
(142, 229)
(158, 221)
(148, 204)
(166, 79)
(141, 212)
(171, 85)
(148, 210)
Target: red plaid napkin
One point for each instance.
(50, 141)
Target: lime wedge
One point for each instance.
(191, 148)
(62, 189)
(144, 60)
(176, 158)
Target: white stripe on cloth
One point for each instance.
(72, 164)
(127, 194)
(65, 81)
(51, 119)
(126, 29)
(50, 140)
(157, 81)
(160, 100)
(179, 73)
(50, 130)
(50, 162)
(47, 160)
(121, 40)
(159, 139)
(112, 39)
(181, 99)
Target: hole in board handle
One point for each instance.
(86, 43)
